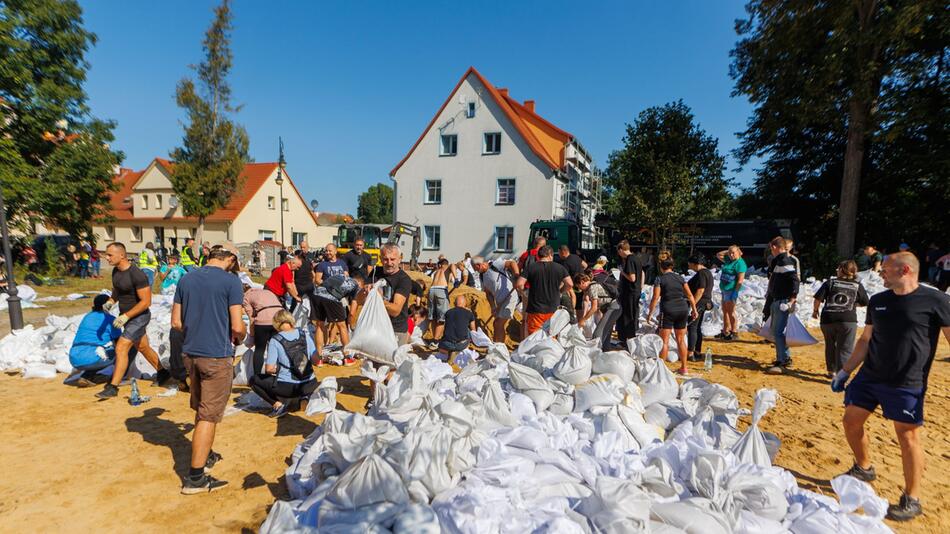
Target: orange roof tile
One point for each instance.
(545, 139)
(255, 174)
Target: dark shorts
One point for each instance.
(675, 319)
(453, 346)
(135, 329)
(210, 386)
(898, 404)
(327, 310)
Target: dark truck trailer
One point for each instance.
(710, 237)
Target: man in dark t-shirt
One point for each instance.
(357, 259)
(897, 348)
(303, 276)
(133, 294)
(395, 292)
(547, 280)
(459, 322)
(631, 282)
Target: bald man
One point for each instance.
(897, 349)
(459, 323)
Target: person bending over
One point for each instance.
(289, 367)
(92, 349)
(459, 323)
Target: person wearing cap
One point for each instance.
(92, 349)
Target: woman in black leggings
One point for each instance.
(283, 385)
(701, 284)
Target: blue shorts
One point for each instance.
(898, 404)
(730, 295)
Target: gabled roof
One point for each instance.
(545, 139)
(255, 175)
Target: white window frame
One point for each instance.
(497, 148)
(470, 110)
(158, 202)
(442, 145)
(433, 241)
(136, 234)
(144, 202)
(110, 233)
(510, 234)
(426, 198)
(513, 196)
(296, 238)
(271, 203)
(266, 235)
(285, 204)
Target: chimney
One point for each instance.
(503, 91)
(530, 105)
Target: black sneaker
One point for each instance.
(907, 509)
(161, 378)
(204, 484)
(720, 335)
(108, 392)
(862, 474)
(213, 458)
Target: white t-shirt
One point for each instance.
(497, 283)
(473, 274)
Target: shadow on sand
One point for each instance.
(165, 433)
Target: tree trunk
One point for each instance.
(851, 180)
(199, 235)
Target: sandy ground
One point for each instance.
(71, 463)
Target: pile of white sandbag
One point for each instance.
(556, 437)
(27, 297)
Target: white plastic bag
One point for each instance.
(574, 367)
(657, 383)
(600, 390)
(373, 335)
(751, 447)
(796, 335)
(530, 382)
(615, 363)
(557, 323)
(323, 399)
(480, 339)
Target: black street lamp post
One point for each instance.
(13, 299)
(281, 164)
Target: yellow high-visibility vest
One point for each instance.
(187, 260)
(145, 264)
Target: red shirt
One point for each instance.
(279, 278)
(412, 325)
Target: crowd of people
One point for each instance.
(893, 355)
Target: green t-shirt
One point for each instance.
(730, 273)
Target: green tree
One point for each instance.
(668, 171)
(209, 165)
(55, 163)
(375, 205)
(838, 88)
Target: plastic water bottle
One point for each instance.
(707, 365)
(136, 398)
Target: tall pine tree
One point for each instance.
(209, 164)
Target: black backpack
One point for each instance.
(609, 283)
(336, 286)
(301, 367)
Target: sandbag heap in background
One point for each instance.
(554, 437)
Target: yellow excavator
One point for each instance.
(374, 235)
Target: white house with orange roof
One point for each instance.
(145, 209)
(485, 168)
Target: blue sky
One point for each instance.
(350, 85)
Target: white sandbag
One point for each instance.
(39, 370)
(480, 339)
(748, 488)
(796, 335)
(614, 363)
(600, 390)
(465, 357)
(575, 366)
(666, 415)
(657, 383)
(557, 322)
(417, 518)
(530, 382)
(751, 447)
(323, 399)
(855, 494)
(368, 481)
(694, 515)
(373, 335)
(645, 346)
(245, 369)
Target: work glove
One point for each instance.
(838, 382)
(108, 305)
(120, 321)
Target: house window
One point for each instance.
(144, 202)
(432, 237)
(449, 145)
(285, 204)
(492, 143)
(504, 239)
(470, 113)
(172, 201)
(136, 233)
(505, 192)
(158, 202)
(265, 235)
(297, 238)
(271, 203)
(433, 193)
(110, 233)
